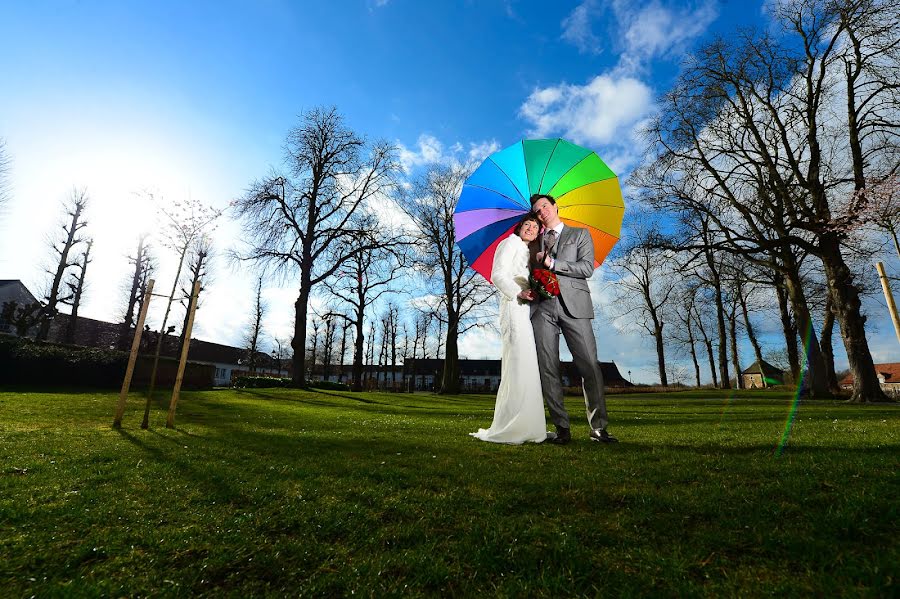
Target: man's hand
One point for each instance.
(544, 259)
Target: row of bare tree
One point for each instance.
(185, 231)
(390, 341)
(336, 219)
(774, 151)
(67, 273)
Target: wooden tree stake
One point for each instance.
(132, 358)
(170, 421)
(892, 307)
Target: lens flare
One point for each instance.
(795, 402)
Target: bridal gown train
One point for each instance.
(519, 410)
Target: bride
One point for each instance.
(519, 411)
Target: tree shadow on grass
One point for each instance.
(754, 448)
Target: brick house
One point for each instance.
(761, 375)
(888, 375)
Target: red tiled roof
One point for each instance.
(890, 371)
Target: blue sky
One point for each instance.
(194, 99)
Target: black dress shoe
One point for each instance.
(603, 437)
(563, 436)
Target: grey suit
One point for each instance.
(570, 314)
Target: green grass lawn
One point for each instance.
(281, 492)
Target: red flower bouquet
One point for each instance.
(544, 282)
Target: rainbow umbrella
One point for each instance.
(497, 195)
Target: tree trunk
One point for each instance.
(53, 297)
(788, 328)
(735, 355)
(357, 384)
(298, 343)
(757, 350)
(720, 320)
(450, 378)
(827, 346)
(72, 327)
(813, 380)
(128, 321)
(343, 354)
(660, 353)
(691, 343)
(845, 296)
(696, 364)
(707, 343)
(896, 240)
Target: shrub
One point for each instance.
(24, 361)
(328, 385)
(260, 382)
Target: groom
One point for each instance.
(568, 252)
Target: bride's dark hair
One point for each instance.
(525, 219)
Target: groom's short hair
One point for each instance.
(538, 196)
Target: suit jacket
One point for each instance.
(574, 255)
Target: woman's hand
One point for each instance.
(527, 295)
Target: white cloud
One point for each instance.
(578, 30)
(655, 30)
(430, 150)
(480, 344)
(602, 112)
(607, 111)
(643, 30)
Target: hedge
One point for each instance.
(259, 382)
(24, 361)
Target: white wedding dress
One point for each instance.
(519, 411)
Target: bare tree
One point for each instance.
(728, 155)
(76, 285)
(393, 313)
(70, 236)
(343, 355)
(365, 278)
(701, 318)
(313, 349)
(384, 327)
(279, 352)
(22, 317)
(685, 334)
(184, 223)
(254, 334)
(143, 266)
(822, 34)
(868, 54)
(198, 272)
(370, 354)
(328, 345)
(459, 292)
(646, 283)
(307, 221)
(883, 207)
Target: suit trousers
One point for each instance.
(549, 318)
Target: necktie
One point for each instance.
(549, 240)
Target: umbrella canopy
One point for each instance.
(498, 194)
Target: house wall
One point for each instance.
(754, 381)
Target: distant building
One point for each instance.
(888, 377)
(229, 362)
(483, 376)
(13, 290)
(761, 375)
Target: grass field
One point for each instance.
(282, 492)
